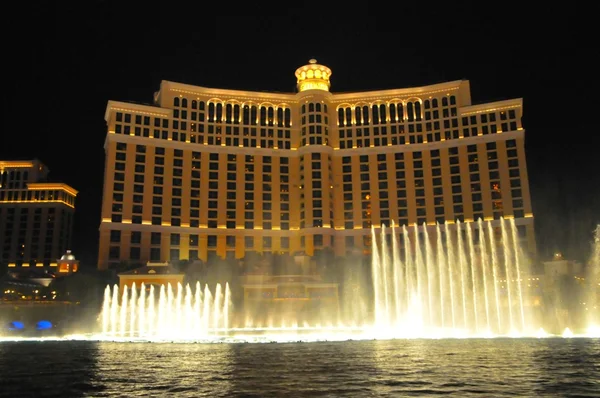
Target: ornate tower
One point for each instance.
(313, 77)
(316, 180)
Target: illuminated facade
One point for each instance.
(221, 172)
(36, 217)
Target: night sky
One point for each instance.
(62, 63)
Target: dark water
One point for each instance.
(552, 367)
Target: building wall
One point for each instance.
(221, 172)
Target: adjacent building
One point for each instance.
(206, 172)
(36, 216)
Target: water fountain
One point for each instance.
(449, 282)
(166, 313)
(593, 293)
(427, 281)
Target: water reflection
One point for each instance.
(49, 369)
(383, 368)
(143, 369)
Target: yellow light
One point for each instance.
(39, 265)
(12, 265)
(313, 85)
(40, 186)
(38, 201)
(106, 220)
(9, 164)
(53, 264)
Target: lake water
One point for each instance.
(500, 367)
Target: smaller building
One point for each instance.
(560, 267)
(67, 264)
(563, 285)
(156, 274)
(289, 299)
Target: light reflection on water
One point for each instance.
(465, 367)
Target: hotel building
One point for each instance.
(206, 171)
(36, 216)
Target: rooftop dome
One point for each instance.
(313, 76)
(67, 256)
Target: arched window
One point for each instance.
(452, 100)
(303, 108)
(219, 115)
(348, 116)
(288, 117)
(229, 113)
(340, 116)
(201, 105)
(263, 116)
(194, 104)
(280, 117)
(253, 115)
(444, 101)
(311, 107)
(357, 116)
(246, 116)
(400, 112)
(375, 114)
(393, 113)
(270, 116)
(365, 115)
(427, 104)
(318, 107)
(236, 113)
(382, 113)
(410, 112)
(184, 102)
(434, 103)
(211, 112)
(176, 101)
(417, 110)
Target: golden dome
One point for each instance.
(313, 77)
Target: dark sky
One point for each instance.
(63, 62)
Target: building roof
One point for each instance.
(68, 257)
(30, 277)
(153, 269)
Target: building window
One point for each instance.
(115, 236)
(155, 254)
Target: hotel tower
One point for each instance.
(36, 216)
(214, 172)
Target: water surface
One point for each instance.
(501, 367)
